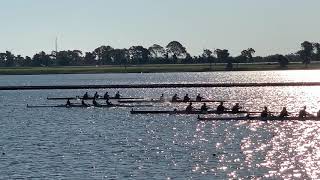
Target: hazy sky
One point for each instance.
(269, 26)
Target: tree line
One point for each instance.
(173, 53)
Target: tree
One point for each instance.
(317, 47)
(283, 61)
(139, 54)
(120, 56)
(41, 59)
(248, 54)
(103, 54)
(207, 54)
(157, 51)
(306, 52)
(89, 58)
(175, 48)
(222, 55)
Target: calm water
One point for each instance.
(93, 143)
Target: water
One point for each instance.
(93, 143)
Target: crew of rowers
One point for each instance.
(220, 109)
(94, 101)
(186, 98)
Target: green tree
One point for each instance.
(306, 52)
(283, 61)
(157, 51)
(103, 53)
(248, 54)
(139, 55)
(41, 59)
(208, 55)
(175, 48)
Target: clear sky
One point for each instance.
(268, 26)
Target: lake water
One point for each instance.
(93, 143)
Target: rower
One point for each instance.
(96, 95)
(68, 103)
(221, 108)
(117, 96)
(175, 98)
(84, 103)
(106, 95)
(186, 98)
(189, 108)
(236, 108)
(161, 97)
(284, 113)
(204, 108)
(95, 103)
(318, 114)
(108, 102)
(303, 113)
(198, 98)
(265, 112)
(86, 96)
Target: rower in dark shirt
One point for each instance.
(204, 108)
(161, 97)
(108, 102)
(236, 108)
(265, 112)
(68, 103)
(221, 108)
(175, 98)
(303, 113)
(189, 108)
(284, 113)
(106, 95)
(86, 96)
(96, 95)
(198, 98)
(117, 96)
(186, 98)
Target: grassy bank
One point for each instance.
(148, 68)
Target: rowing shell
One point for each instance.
(257, 118)
(84, 106)
(185, 112)
(89, 98)
(161, 101)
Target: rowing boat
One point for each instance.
(85, 106)
(257, 118)
(161, 101)
(184, 112)
(89, 98)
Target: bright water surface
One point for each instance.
(93, 143)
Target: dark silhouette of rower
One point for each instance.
(236, 108)
(68, 104)
(221, 108)
(189, 108)
(96, 95)
(175, 98)
(198, 98)
(186, 98)
(265, 112)
(84, 103)
(95, 103)
(303, 112)
(117, 96)
(204, 108)
(106, 96)
(284, 113)
(86, 96)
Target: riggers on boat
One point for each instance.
(258, 118)
(184, 112)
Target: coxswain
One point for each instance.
(265, 112)
(236, 108)
(189, 108)
(161, 97)
(68, 103)
(117, 96)
(106, 96)
(96, 95)
(84, 103)
(221, 108)
(284, 113)
(204, 107)
(198, 98)
(86, 96)
(303, 113)
(175, 98)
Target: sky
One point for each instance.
(268, 26)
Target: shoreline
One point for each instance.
(151, 68)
